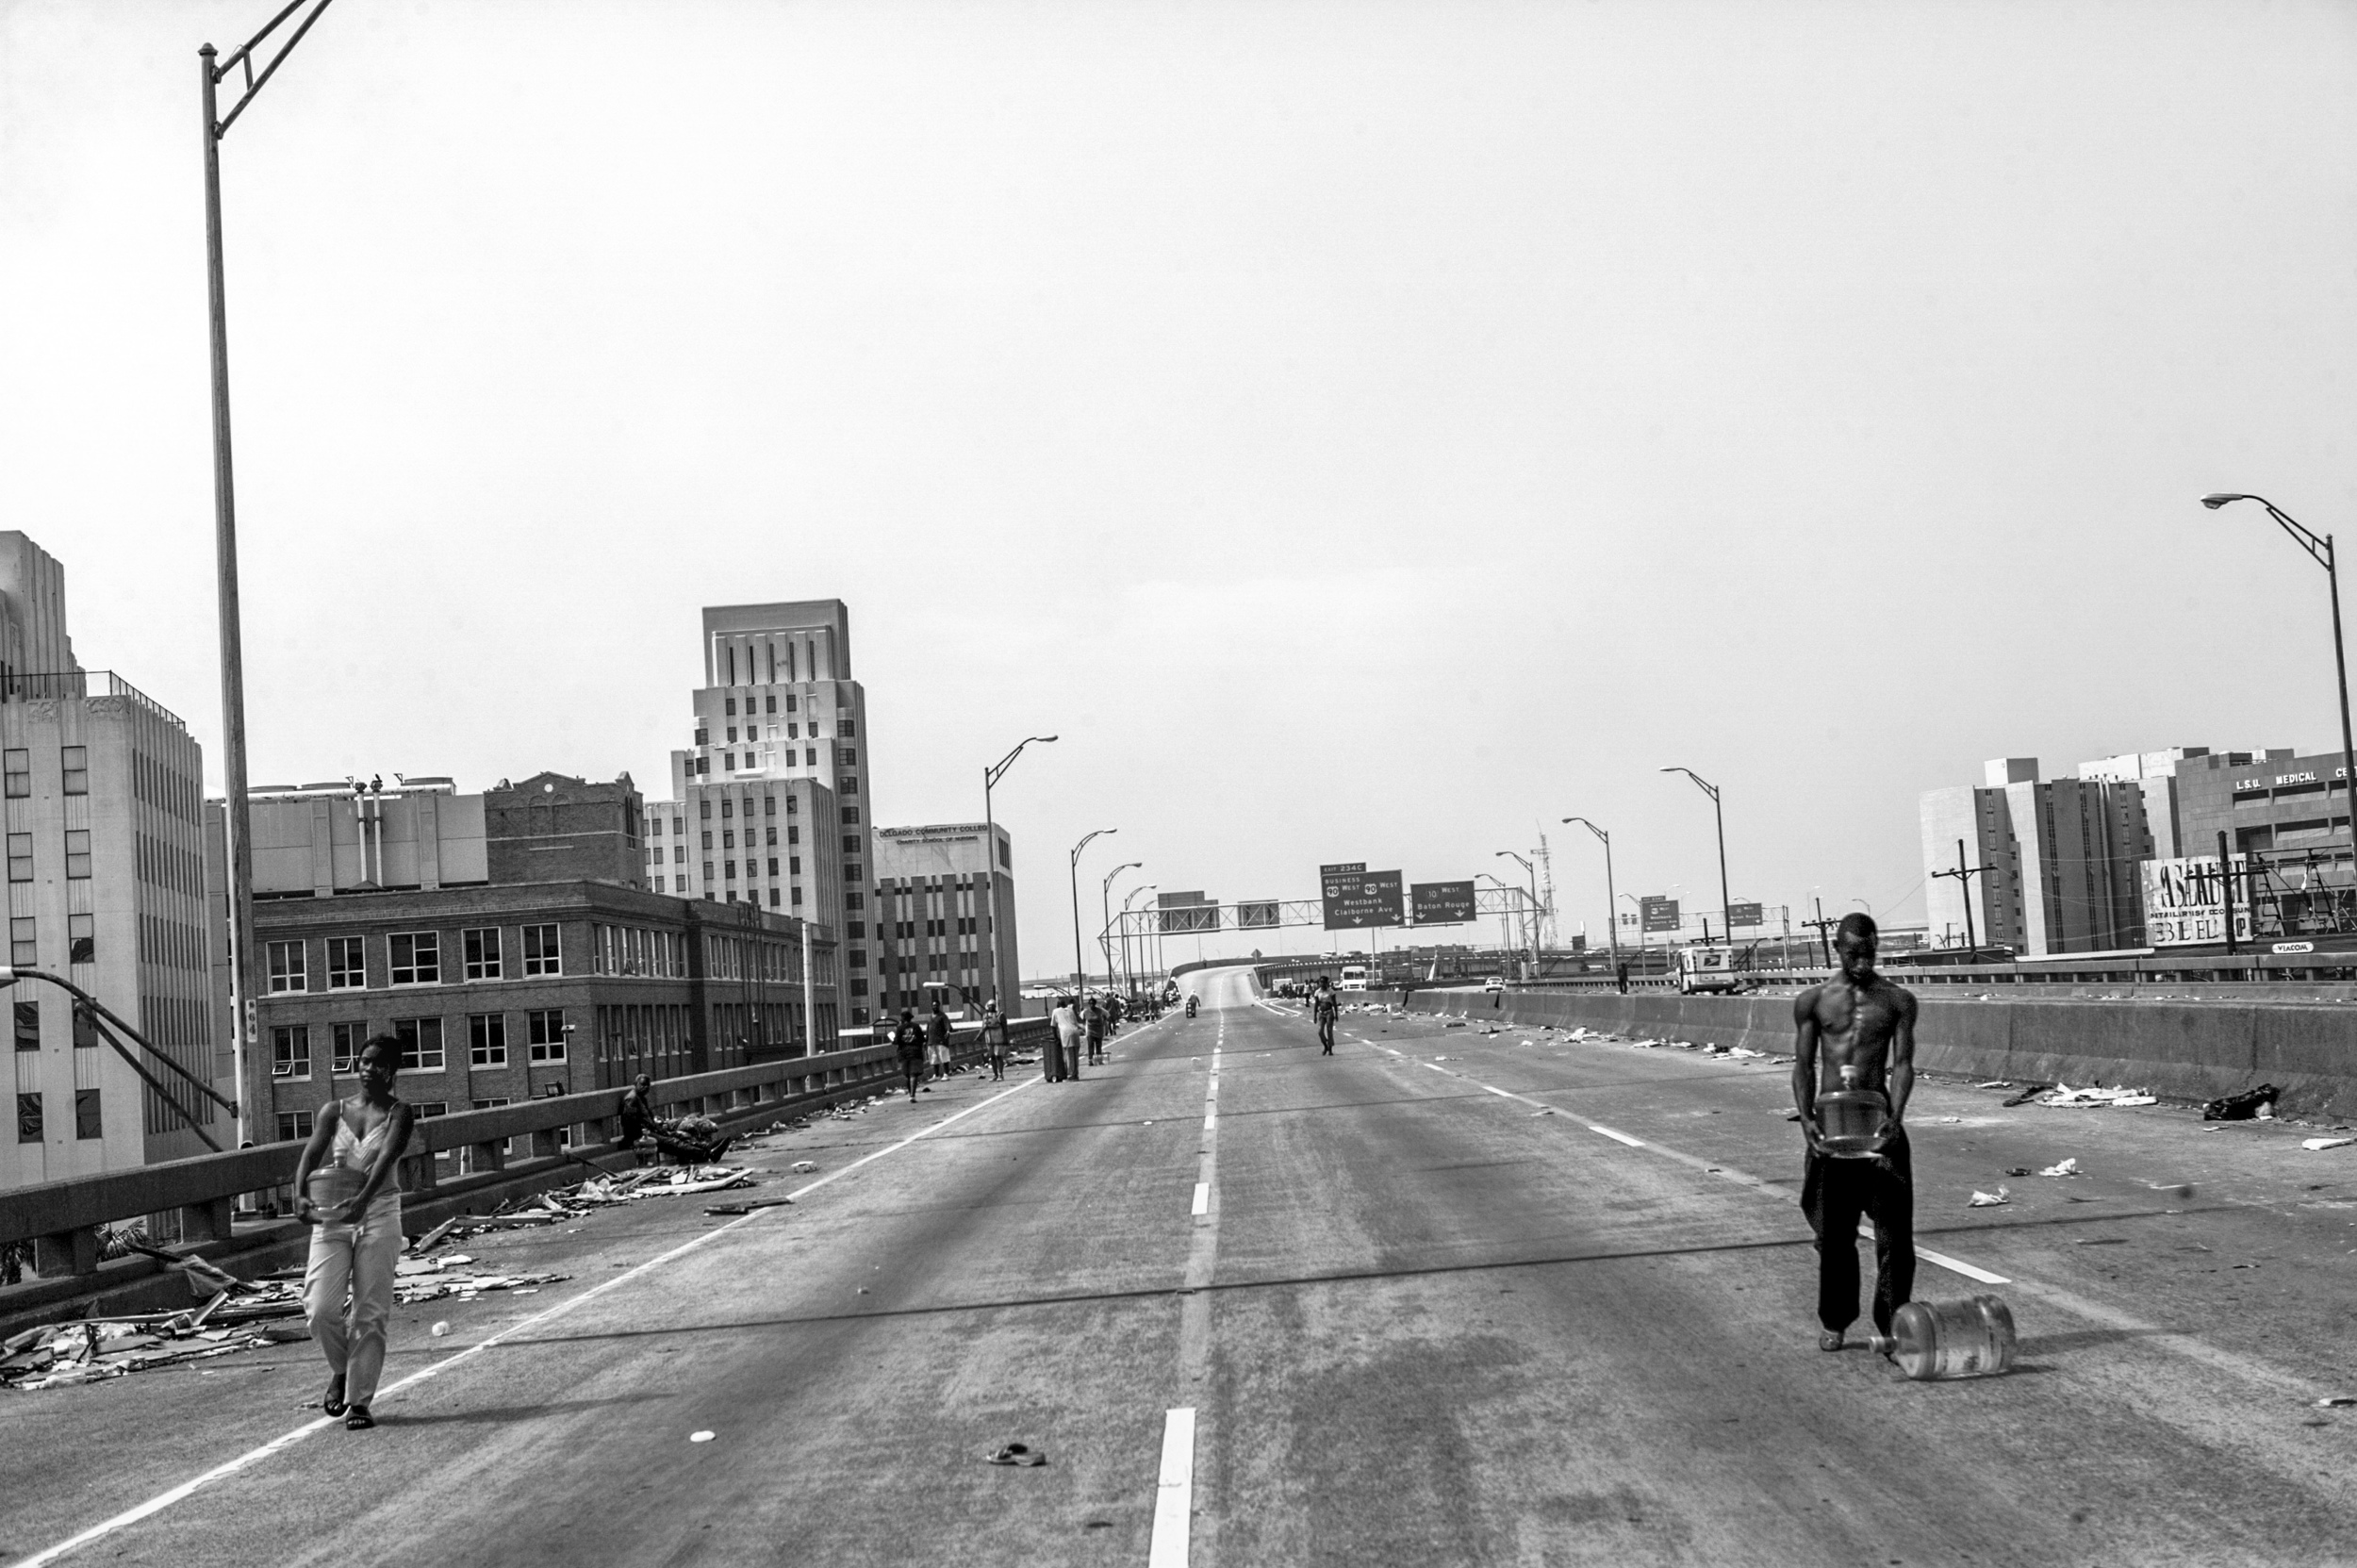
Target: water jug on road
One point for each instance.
(1950, 1339)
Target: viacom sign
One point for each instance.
(2184, 900)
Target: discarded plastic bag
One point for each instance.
(2064, 1167)
(1990, 1200)
(2242, 1106)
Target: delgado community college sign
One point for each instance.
(1357, 898)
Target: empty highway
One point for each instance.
(1447, 1297)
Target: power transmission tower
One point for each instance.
(1547, 933)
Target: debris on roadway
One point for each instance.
(2326, 1143)
(2249, 1105)
(2094, 1095)
(2066, 1168)
(1990, 1200)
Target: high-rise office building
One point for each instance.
(769, 804)
(933, 916)
(102, 793)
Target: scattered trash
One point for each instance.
(803, 1167)
(2094, 1095)
(2174, 1189)
(1995, 1084)
(2336, 1401)
(2028, 1092)
(750, 1205)
(2066, 1168)
(2018, 1170)
(1946, 1119)
(1544, 1111)
(700, 1437)
(2249, 1104)
(1018, 1453)
(1990, 1200)
(439, 1329)
(2326, 1143)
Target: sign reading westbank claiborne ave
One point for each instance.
(2184, 900)
(1357, 898)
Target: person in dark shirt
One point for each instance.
(1324, 1006)
(909, 1039)
(636, 1112)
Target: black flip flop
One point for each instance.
(359, 1420)
(332, 1400)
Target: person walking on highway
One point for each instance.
(909, 1040)
(1324, 1006)
(937, 1041)
(358, 1240)
(1856, 1031)
(1095, 1021)
(995, 1040)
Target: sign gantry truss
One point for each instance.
(1270, 914)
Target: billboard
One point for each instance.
(2184, 900)
(1658, 913)
(1744, 915)
(1441, 903)
(1252, 916)
(1357, 898)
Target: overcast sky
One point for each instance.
(1363, 432)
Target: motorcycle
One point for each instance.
(1190, 1007)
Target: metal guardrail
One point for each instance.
(61, 1218)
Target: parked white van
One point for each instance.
(1354, 978)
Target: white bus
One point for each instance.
(1354, 978)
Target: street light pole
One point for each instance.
(1079, 965)
(1718, 814)
(2319, 548)
(1129, 964)
(1105, 911)
(1531, 918)
(252, 1068)
(1611, 898)
(989, 848)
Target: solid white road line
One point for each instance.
(1173, 1493)
(1202, 1197)
(285, 1440)
(1956, 1266)
(1211, 1120)
(1616, 1136)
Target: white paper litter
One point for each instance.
(1990, 1200)
(2094, 1095)
(2067, 1167)
(2326, 1143)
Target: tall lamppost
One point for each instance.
(1611, 898)
(991, 776)
(2319, 548)
(1725, 905)
(1079, 965)
(1105, 911)
(1532, 918)
(1129, 965)
(1641, 942)
(252, 1068)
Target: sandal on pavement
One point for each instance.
(332, 1400)
(359, 1420)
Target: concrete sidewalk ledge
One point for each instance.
(137, 1284)
(2186, 1051)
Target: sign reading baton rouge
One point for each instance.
(1441, 903)
(1744, 915)
(1357, 898)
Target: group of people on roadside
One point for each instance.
(924, 1048)
(1079, 1025)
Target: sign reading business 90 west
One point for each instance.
(1357, 898)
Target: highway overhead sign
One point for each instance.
(1744, 915)
(1441, 903)
(1357, 898)
(1658, 913)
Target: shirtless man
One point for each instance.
(1860, 1020)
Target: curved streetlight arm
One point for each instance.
(2318, 545)
(1613, 925)
(1591, 827)
(1708, 787)
(991, 774)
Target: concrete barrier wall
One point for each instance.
(2185, 1051)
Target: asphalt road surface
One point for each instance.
(1445, 1297)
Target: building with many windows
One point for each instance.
(2063, 857)
(508, 939)
(102, 794)
(769, 804)
(933, 916)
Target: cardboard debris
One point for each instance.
(2067, 1167)
(2326, 1143)
(2247, 1106)
(2094, 1095)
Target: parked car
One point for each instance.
(1495, 982)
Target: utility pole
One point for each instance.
(1820, 923)
(253, 1067)
(1964, 875)
(2226, 889)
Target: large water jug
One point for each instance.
(333, 1184)
(1850, 1118)
(1950, 1339)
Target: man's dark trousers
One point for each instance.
(1835, 1194)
